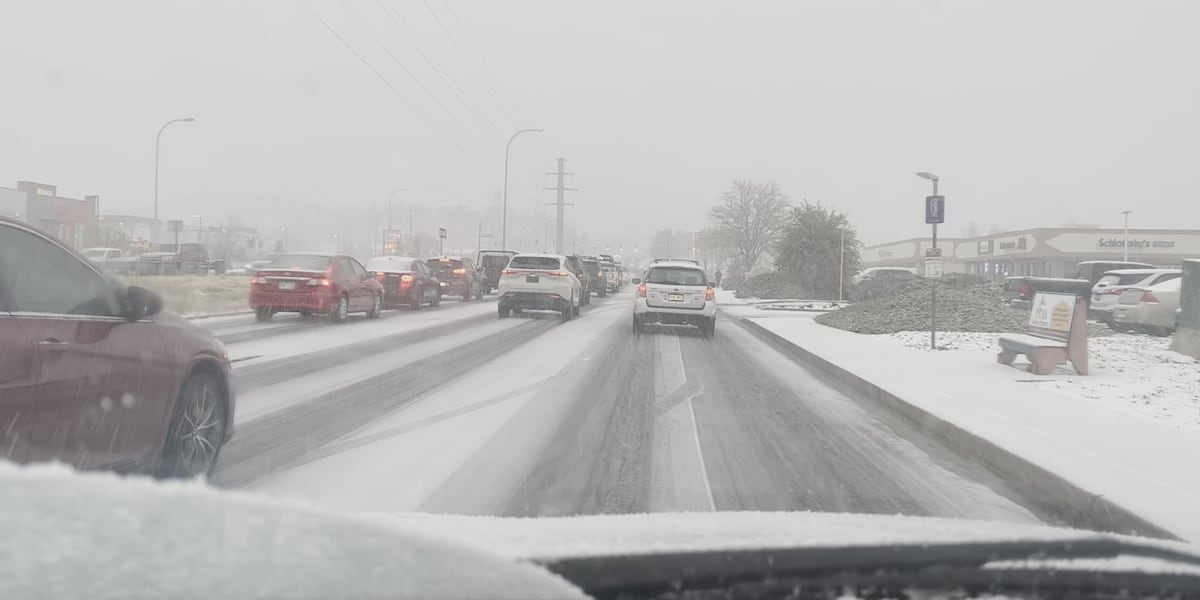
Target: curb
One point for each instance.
(1049, 496)
(225, 314)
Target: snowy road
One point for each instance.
(453, 410)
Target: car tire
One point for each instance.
(437, 299)
(376, 308)
(568, 310)
(603, 292)
(504, 311)
(709, 328)
(416, 300)
(638, 328)
(197, 429)
(306, 313)
(339, 313)
(262, 314)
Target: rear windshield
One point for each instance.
(437, 263)
(300, 262)
(492, 260)
(390, 263)
(675, 276)
(1125, 279)
(541, 263)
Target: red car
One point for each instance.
(95, 374)
(331, 284)
(406, 281)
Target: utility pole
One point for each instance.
(560, 203)
(842, 268)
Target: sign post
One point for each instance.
(441, 241)
(935, 213)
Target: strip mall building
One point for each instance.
(1042, 252)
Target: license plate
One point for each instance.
(674, 297)
(287, 285)
(531, 279)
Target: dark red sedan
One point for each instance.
(95, 374)
(330, 284)
(406, 281)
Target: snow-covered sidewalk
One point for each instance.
(1144, 465)
(1137, 374)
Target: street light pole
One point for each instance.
(504, 211)
(932, 284)
(1125, 242)
(389, 205)
(157, 143)
(285, 238)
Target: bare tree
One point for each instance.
(751, 216)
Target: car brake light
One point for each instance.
(460, 271)
(708, 294)
(321, 282)
(509, 272)
(1149, 298)
(642, 290)
(379, 277)
(1114, 291)
(406, 278)
(259, 280)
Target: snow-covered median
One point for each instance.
(1137, 374)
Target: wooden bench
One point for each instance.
(1057, 334)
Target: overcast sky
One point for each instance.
(1033, 113)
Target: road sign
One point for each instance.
(933, 266)
(935, 209)
(442, 232)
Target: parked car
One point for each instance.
(540, 282)
(595, 273)
(258, 263)
(457, 276)
(903, 273)
(314, 283)
(585, 280)
(406, 281)
(675, 293)
(96, 374)
(1093, 270)
(492, 262)
(1152, 309)
(100, 255)
(1107, 291)
(185, 258)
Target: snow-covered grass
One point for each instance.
(1138, 374)
(196, 295)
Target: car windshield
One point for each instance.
(542, 263)
(300, 262)
(675, 276)
(558, 280)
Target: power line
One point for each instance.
(470, 67)
(394, 89)
(414, 77)
(482, 60)
(437, 67)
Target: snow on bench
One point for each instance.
(1057, 334)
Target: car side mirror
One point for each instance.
(636, 281)
(141, 303)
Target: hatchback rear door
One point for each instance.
(676, 287)
(534, 274)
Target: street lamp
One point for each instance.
(932, 284)
(285, 238)
(157, 141)
(199, 228)
(504, 214)
(1125, 242)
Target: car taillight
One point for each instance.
(708, 294)
(642, 290)
(380, 277)
(556, 274)
(1023, 290)
(320, 282)
(1114, 291)
(460, 271)
(1149, 298)
(260, 280)
(509, 272)
(406, 278)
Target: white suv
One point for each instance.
(1107, 291)
(539, 282)
(675, 293)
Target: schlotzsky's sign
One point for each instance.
(1166, 242)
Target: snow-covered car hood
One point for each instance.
(100, 535)
(547, 539)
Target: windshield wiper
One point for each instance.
(937, 566)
